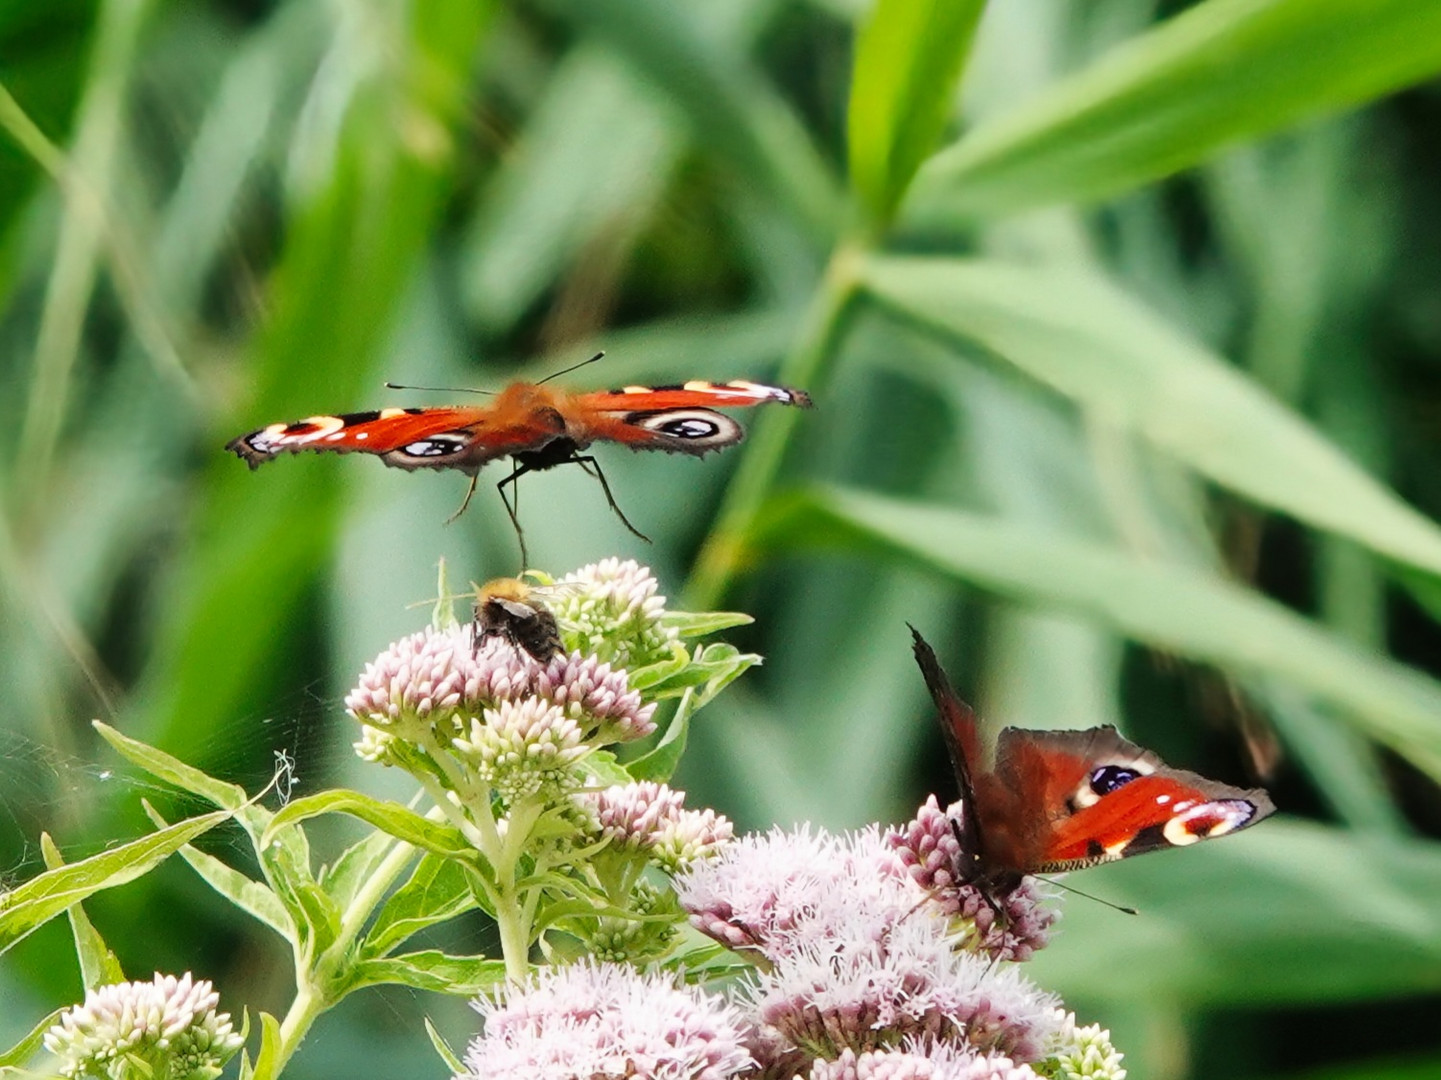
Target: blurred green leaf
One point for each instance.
(908, 55)
(1083, 337)
(1174, 608)
(1289, 913)
(1220, 72)
(29, 906)
(729, 104)
(369, 193)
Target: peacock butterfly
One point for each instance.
(1064, 800)
(507, 608)
(537, 426)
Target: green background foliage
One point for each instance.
(1121, 323)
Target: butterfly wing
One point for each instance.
(961, 730)
(433, 438)
(1077, 798)
(677, 419)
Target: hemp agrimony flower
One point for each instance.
(165, 1029)
(612, 609)
(601, 1021)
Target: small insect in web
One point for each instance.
(509, 609)
(536, 426)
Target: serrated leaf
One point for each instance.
(908, 56)
(356, 863)
(46, 895)
(700, 623)
(267, 1063)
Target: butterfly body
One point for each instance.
(1049, 801)
(507, 608)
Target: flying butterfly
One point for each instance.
(538, 427)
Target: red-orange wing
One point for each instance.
(433, 438)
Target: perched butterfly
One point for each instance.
(508, 608)
(1064, 800)
(537, 426)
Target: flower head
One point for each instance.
(166, 1028)
(611, 609)
(778, 892)
(863, 994)
(930, 852)
(650, 817)
(601, 1021)
(1085, 1053)
(494, 704)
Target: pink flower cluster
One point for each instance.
(432, 688)
(650, 817)
(859, 958)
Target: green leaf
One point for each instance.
(699, 623)
(1082, 337)
(98, 965)
(438, 890)
(46, 895)
(447, 1055)
(1221, 72)
(390, 817)
(172, 770)
(29, 1045)
(248, 895)
(908, 56)
(463, 976)
(1175, 608)
(268, 1062)
(1289, 913)
(353, 869)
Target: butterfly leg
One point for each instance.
(465, 501)
(586, 460)
(510, 508)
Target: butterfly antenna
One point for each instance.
(1089, 896)
(573, 367)
(438, 389)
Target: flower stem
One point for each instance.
(725, 550)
